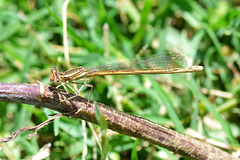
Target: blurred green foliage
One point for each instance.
(206, 31)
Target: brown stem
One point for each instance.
(47, 96)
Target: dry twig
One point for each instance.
(123, 123)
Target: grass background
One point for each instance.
(207, 32)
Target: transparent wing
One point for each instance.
(160, 61)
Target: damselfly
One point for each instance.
(167, 63)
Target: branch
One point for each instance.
(123, 123)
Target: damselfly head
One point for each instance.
(54, 78)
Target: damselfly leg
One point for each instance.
(65, 83)
(77, 92)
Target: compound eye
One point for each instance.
(54, 70)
